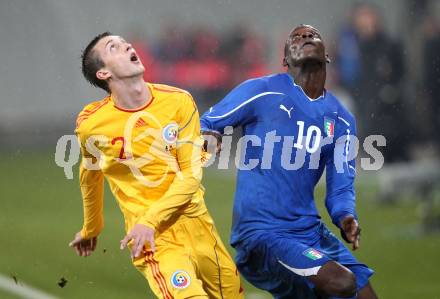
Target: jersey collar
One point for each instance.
(302, 90)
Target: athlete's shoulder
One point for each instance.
(90, 110)
(174, 98)
(255, 86)
(263, 81)
(163, 88)
(343, 113)
(334, 100)
(175, 94)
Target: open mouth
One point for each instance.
(308, 44)
(134, 57)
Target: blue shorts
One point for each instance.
(279, 262)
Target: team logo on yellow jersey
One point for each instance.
(180, 279)
(169, 133)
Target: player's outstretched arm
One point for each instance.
(351, 231)
(83, 247)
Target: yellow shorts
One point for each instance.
(190, 261)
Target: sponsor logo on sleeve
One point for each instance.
(169, 133)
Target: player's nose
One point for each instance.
(307, 35)
(129, 47)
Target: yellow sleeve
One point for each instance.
(92, 189)
(187, 181)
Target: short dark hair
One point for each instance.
(91, 63)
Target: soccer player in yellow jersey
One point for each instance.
(145, 140)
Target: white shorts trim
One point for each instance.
(302, 272)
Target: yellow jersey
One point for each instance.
(151, 158)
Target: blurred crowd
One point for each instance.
(374, 68)
(206, 62)
(370, 73)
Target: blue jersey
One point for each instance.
(288, 140)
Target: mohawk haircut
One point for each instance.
(91, 63)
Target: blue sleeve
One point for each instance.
(341, 169)
(235, 110)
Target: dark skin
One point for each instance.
(306, 60)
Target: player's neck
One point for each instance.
(130, 93)
(311, 78)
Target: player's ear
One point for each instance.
(103, 74)
(327, 58)
(285, 62)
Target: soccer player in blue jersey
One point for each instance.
(282, 245)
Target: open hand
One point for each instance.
(139, 234)
(351, 231)
(212, 142)
(83, 247)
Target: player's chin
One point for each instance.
(135, 71)
(140, 66)
(313, 57)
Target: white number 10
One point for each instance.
(311, 131)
